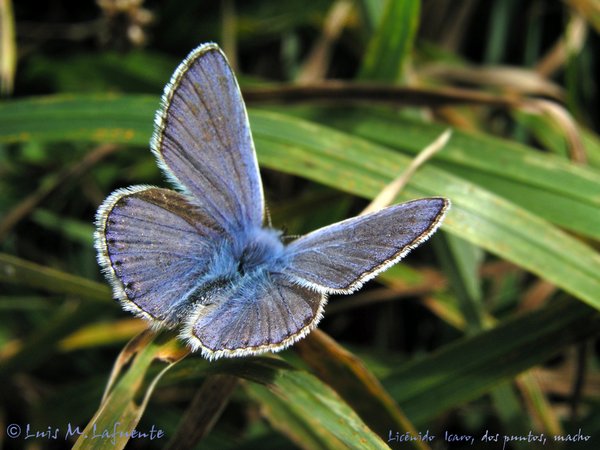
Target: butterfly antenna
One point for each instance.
(290, 237)
(268, 214)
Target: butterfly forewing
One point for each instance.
(340, 257)
(154, 246)
(203, 141)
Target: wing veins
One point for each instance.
(228, 153)
(210, 181)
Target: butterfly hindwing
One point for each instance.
(203, 142)
(267, 311)
(153, 246)
(340, 257)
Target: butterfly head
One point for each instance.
(262, 250)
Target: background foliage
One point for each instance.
(492, 326)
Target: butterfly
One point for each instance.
(201, 259)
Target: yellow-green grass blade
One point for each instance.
(118, 416)
(301, 406)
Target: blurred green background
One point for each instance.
(492, 325)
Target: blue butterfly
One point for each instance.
(201, 258)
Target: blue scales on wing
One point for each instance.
(203, 141)
(262, 311)
(154, 246)
(339, 258)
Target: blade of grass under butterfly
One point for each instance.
(353, 381)
(296, 403)
(473, 366)
(127, 397)
(300, 406)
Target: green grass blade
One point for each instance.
(101, 118)
(461, 262)
(295, 402)
(299, 404)
(361, 167)
(549, 186)
(371, 12)
(511, 412)
(18, 271)
(300, 429)
(119, 414)
(353, 381)
(390, 46)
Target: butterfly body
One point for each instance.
(261, 250)
(236, 264)
(201, 260)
